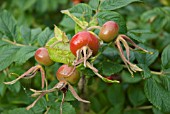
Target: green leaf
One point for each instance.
(117, 109)
(60, 52)
(60, 35)
(146, 71)
(8, 25)
(82, 10)
(67, 108)
(133, 111)
(67, 23)
(34, 34)
(94, 4)
(18, 111)
(115, 4)
(158, 17)
(136, 35)
(146, 58)
(15, 88)
(44, 36)
(166, 82)
(157, 111)
(115, 94)
(24, 53)
(109, 68)
(25, 33)
(127, 78)
(29, 35)
(82, 24)
(136, 95)
(165, 58)
(40, 106)
(157, 95)
(105, 16)
(7, 56)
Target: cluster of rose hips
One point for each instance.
(84, 45)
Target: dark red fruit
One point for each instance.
(42, 57)
(84, 38)
(68, 73)
(109, 31)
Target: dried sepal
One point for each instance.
(30, 74)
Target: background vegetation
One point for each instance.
(26, 25)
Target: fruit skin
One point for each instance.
(42, 57)
(109, 31)
(84, 38)
(68, 73)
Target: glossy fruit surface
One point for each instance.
(84, 38)
(42, 57)
(109, 31)
(68, 73)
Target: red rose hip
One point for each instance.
(68, 73)
(84, 38)
(42, 56)
(109, 31)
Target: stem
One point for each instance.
(14, 43)
(82, 90)
(144, 107)
(157, 73)
(93, 27)
(139, 108)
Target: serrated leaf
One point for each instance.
(60, 52)
(24, 53)
(136, 95)
(157, 95)
(146, 71)
(105, 16)
(82, 10)
(115, 4)
(157, 111)
(134, 34)
(18, 111)
(67, 23)
(146, 58)
(166, 82)
(109, 68)
(29, 35)
(165, 57)
(44, 36)
(127, 78)
(25, 33)
(115, 94)
(8, 25)
(15, 88)
(158, 17)
(34, 34)
(7, 55)
(82, 24)
(40, 106)
(67, 108)
(60, 35)
(94, 4)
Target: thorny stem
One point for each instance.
(14, 43)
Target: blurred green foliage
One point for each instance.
(147, 22)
